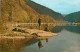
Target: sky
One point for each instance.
(61, 6)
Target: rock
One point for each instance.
(41, 32)
(15, 29)
(35, 34)
(31, 33)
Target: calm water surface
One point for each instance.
(68, 40)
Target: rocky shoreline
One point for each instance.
(27, 33)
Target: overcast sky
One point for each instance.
(61, 6)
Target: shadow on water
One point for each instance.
(75, 29)
(15, 45)
(31, 42)
(57, 29)
(34, 40)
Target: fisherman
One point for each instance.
(39, 22)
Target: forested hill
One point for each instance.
(19, 11)
(73, 17)
(44, 10)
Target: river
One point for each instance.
(68, 40)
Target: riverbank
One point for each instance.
(22, 33)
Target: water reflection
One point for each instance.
(75, 29)
(15, 45)
(31, 42)
(35, 40)
(46, 39)
(12, 45)
(57, 29)
(40, 44)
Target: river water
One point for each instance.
(68, 40)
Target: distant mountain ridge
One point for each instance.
(64, 15)
(73, 17)
(44, 10)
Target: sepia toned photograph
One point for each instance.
(39, 25)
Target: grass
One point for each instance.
(3, 29)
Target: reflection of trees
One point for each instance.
(31, 41)
(10, 45)
(73, 28)
(57, 29)
(15, 45)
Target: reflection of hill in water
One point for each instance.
(57, 29)
(10, 45)
(75, 29)
(31, 41)
(15, 45)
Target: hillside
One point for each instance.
(73, 17)
(0, 8)
(64, 15)
(17, 11)
(44, 10)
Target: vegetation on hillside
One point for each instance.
(73, 17)
(44, 10)
(17, 11)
